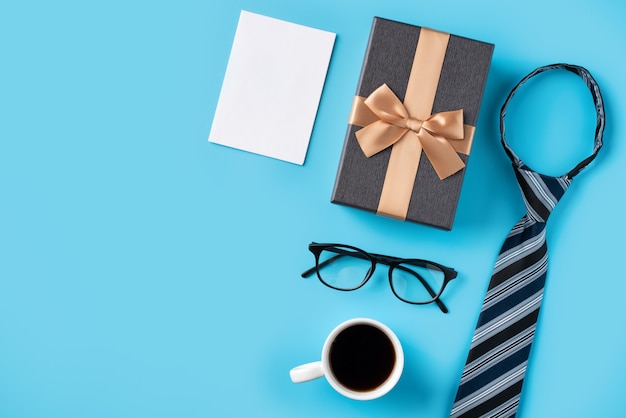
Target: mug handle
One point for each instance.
(306, 372)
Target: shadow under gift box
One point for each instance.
(430, 72)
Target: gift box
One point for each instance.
(412, 123)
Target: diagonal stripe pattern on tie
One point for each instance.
(491, 383)
(493, 376)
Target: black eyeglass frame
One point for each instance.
(390, 261)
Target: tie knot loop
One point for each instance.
(541, 193)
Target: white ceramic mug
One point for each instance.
(361, 359)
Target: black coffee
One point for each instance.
(362, 357)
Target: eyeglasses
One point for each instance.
(415, 281)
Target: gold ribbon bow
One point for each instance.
(394, 122)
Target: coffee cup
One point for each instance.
(361, 359)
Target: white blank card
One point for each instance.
(272, 87)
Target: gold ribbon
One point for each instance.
(410, 127)
(394, 122)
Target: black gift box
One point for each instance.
(391, 59)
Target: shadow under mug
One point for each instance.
(361, 359)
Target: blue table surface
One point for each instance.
(145, 272)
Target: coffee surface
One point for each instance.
(362, 357)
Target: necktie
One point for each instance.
(492, 379)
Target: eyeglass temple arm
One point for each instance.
(432, 293)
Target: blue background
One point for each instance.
(145, 272)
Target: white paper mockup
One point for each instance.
(272, 87)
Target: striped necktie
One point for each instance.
(492, 379)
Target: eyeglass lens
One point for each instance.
(343, 268)
(417, 284)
